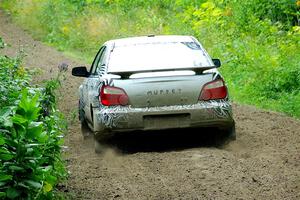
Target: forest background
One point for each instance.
(258, 41)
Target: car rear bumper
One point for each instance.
(217, 113)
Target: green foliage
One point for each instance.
(257, 40)
(13, 78)
(30, 140)
(284, 11)
(259, 56)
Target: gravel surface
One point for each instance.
(263, 163)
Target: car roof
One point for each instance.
(150, 39)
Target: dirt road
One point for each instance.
(263, 163)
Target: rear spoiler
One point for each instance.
(127, 74)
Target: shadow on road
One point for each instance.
(167, 140)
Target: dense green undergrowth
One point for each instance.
(257, 40)
(31, 131)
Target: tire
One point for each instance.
(230, 134)
(98, 146)
(101, 141)
(85, 130)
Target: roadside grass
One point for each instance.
(258, 41)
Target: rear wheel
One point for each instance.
(98, 146)
(100, 141)
(230, 134)
(85, 130)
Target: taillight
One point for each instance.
(112, 96)
(214, 90)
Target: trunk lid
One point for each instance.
(163, 91)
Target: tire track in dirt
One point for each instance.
(263, 163)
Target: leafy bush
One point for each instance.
(13, 78)
(260, 58)
(284, 11)
(30, 139)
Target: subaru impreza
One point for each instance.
(153, 83)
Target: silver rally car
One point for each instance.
(151, 83)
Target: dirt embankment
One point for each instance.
(263, 163)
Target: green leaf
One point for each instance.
(5, 119)
(34, 184)
(2, 194)
(8, 122)
(29, 151)
(6, 157)
(19, 119)
(23, 185)
(16, 168)
(32, 145)
(32, 161)
(2, 141)
(2, 184)
(24, 103)
(43, 137)
(35, 129)
(46, 169)
(47, 187)
(6, 111)
(12, 193)
(4, 150)
(29, 107)
(4, 177)
(51, 179)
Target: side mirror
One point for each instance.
(80, 71)
(217, 62)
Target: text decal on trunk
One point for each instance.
(162, 92)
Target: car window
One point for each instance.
(98, 61)
(160, 55)
(101, 67)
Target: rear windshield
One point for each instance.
(152, 56)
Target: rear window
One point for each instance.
(152, 56)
